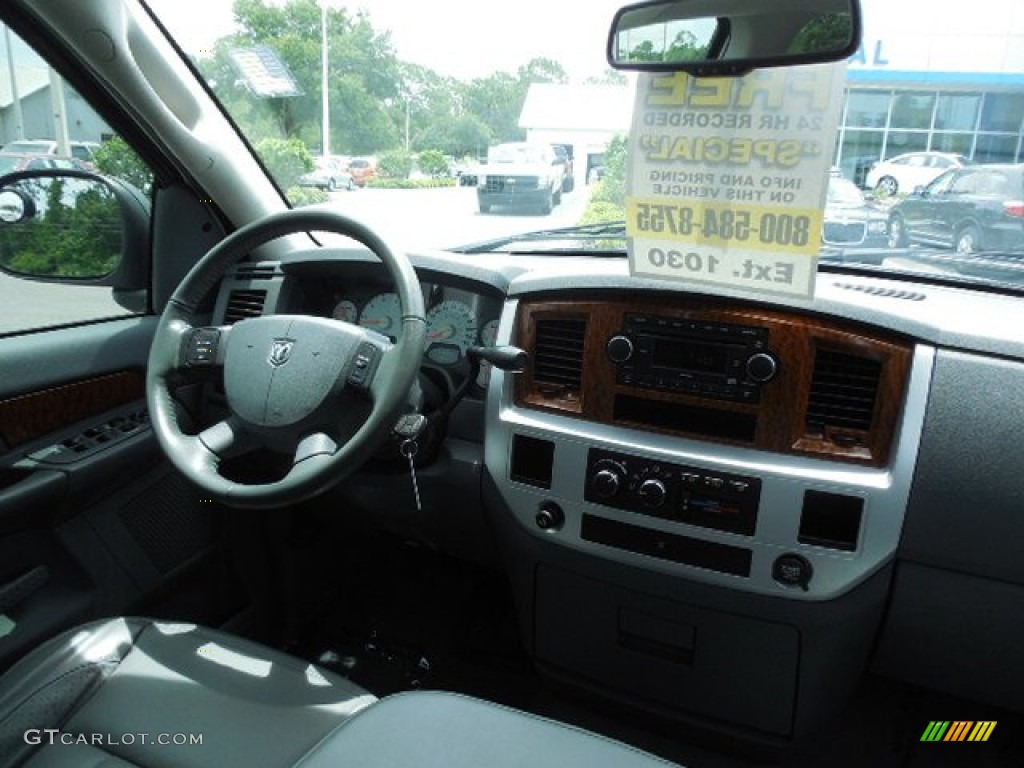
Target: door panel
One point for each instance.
(93, 520)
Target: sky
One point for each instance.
(460, 38)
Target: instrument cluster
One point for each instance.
(456, 319)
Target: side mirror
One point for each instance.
(920, 191)
(74, 226)
(728, 38)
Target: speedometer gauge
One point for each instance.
(383, 313)
(451, 328)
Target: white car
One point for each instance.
(83, 151)
(330, 173)
(904, 173)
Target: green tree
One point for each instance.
(828, 32)
(427, 99)
(496, 101)
(542, 70)
(286, 159)
(76, 231)
(608, 196)
(396, 164)
(610, 77)
(686, 48)
(433, 162)
(361, 62)
(464, 135)
(115, 158)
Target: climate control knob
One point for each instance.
(606, 483)
(762, 367)
(619, 348)
(653, 493)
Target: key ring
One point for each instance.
(408, 448)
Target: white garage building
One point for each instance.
(585, 117)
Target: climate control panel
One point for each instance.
(709, 499)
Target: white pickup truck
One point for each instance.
(521, 174)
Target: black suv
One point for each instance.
(969, 209)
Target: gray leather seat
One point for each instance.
(252, 706)
(138, 692)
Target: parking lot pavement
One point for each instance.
(448, 217)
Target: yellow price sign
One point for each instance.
(726, 225)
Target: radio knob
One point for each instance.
(619, 348)
(762, 367)
(606, 483)
(653, 493)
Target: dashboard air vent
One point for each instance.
(843, 391)
(244, 303)
(259, 271)
(558, 353)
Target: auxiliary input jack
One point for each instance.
(550, 516)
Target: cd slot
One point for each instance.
(679, 417)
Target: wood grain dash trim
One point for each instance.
(35, 414)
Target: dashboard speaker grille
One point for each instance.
(843, 391)
(244, 303)
(558, 352)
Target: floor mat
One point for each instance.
(400, 617)
(407, 618)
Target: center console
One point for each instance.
(698, 494)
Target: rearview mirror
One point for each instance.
(728, 38)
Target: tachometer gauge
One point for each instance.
(383, 314)
(488, 335)
(346, 311)
(451, 328)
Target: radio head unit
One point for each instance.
(709, 359)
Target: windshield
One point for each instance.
(431, 99)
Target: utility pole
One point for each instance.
(19, 119)
(60, 113)
(325, 122)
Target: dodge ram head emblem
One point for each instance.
(280, 352)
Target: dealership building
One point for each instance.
(914, 85)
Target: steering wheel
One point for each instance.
(322, 391)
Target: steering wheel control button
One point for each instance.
(201, 347)
(363, 365)
(793, 571)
